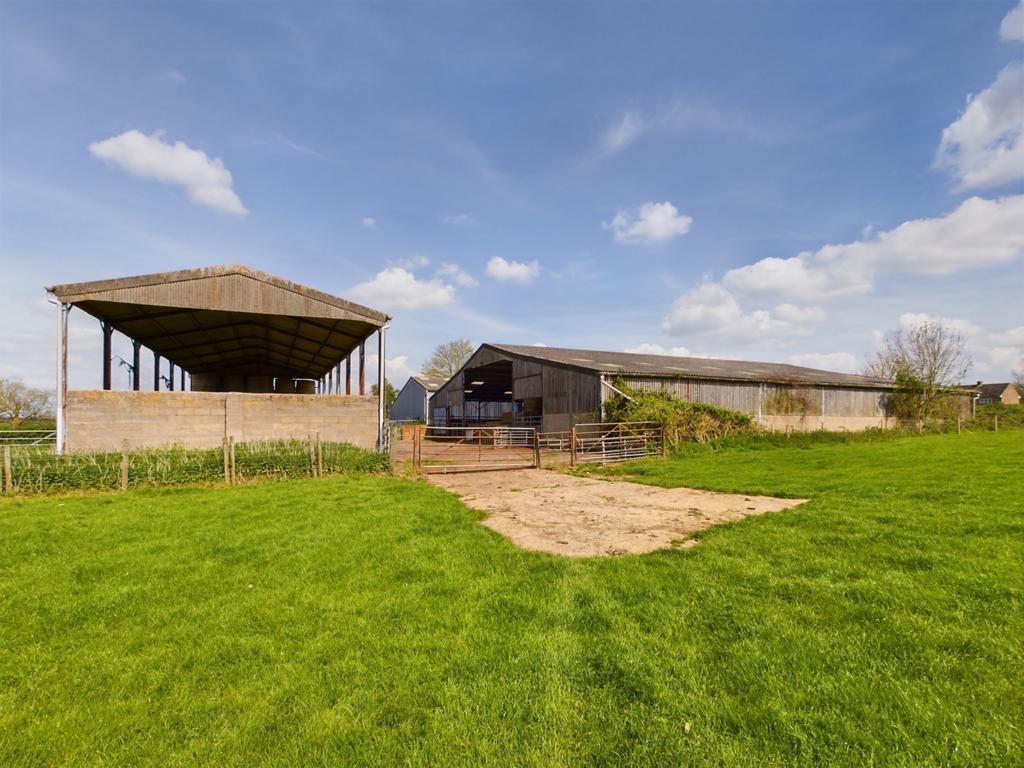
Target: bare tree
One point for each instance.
(20, 402)
(447, 358)
(927, 363)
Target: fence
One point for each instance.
(470, 449)
(28, 437)
(40, 470)
(614, 442)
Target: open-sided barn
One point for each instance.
(554, 388)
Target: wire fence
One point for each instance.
(34, 469)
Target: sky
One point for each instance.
(767, 181)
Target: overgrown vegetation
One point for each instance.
(39, 470)
(365, 620)
(683, 421)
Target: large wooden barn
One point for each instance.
(553, 388)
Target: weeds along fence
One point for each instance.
(33, 470)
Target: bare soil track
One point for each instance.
(583, 517)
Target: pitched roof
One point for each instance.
(994, 391)
(229, 319)
(671, 366)
(429, 383)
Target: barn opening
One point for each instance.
(237, 354)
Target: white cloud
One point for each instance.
(910, 320)
(416, 261)
(456, 273)
(369, 222)
(397, 288)
(794, 314)
(207, 181)
(984, 147)
(652, 223)
(174, 75)
(843, 362)
(711, 309)
(1005, 357)
(515, 271)
(1012, 28)
(457, 218)
(977, 234)
(648, 348)
(397, 370)
(622, 133)
(1011, 336)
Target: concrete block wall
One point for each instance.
(102, 420)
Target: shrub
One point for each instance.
(683, 420)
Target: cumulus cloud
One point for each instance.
(174, 75)
(206, 180)
(648, 348)
(652, 223)
(977, 234)
(456, 218)
(1012, 28)
(369, 222)
(456, 273)
(910, 320)
(712, 309)
(398, 288)
(514, 271)
(843, 362)
(984, 147)
(1011, 336)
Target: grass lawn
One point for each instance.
(371, 621)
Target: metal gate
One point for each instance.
(614, 442)
(475, 449)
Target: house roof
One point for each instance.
(229, 318)
(988, 390)
(670, 366)
(429, 383)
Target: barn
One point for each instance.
(248, 356)
(413, 401)
(552, 389)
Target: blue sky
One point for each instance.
(783, 181)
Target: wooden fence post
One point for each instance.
(8, 473)
(572, 446)
(536, 449)
(319, 457)
(227, 463)
(231, 451)
(664, 445)
(995, 421)
(124, 466)
(958, 424)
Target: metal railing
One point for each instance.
(469, 449)
(28, 437)
(614, 442)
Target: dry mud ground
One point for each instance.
(581, 517)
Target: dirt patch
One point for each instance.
(581, 517)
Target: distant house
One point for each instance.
(413, 402)
(988, 394)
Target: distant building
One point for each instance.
(988, 394)
(413, 402)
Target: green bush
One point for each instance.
(39, 470)
(683, 421)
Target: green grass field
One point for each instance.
(371, 621)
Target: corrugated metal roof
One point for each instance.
(688, 367)
(429, 383)
(229, 319)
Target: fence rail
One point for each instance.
(28, 437)
(614, 442)
(471, 449)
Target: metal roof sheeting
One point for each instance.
(670, 366)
